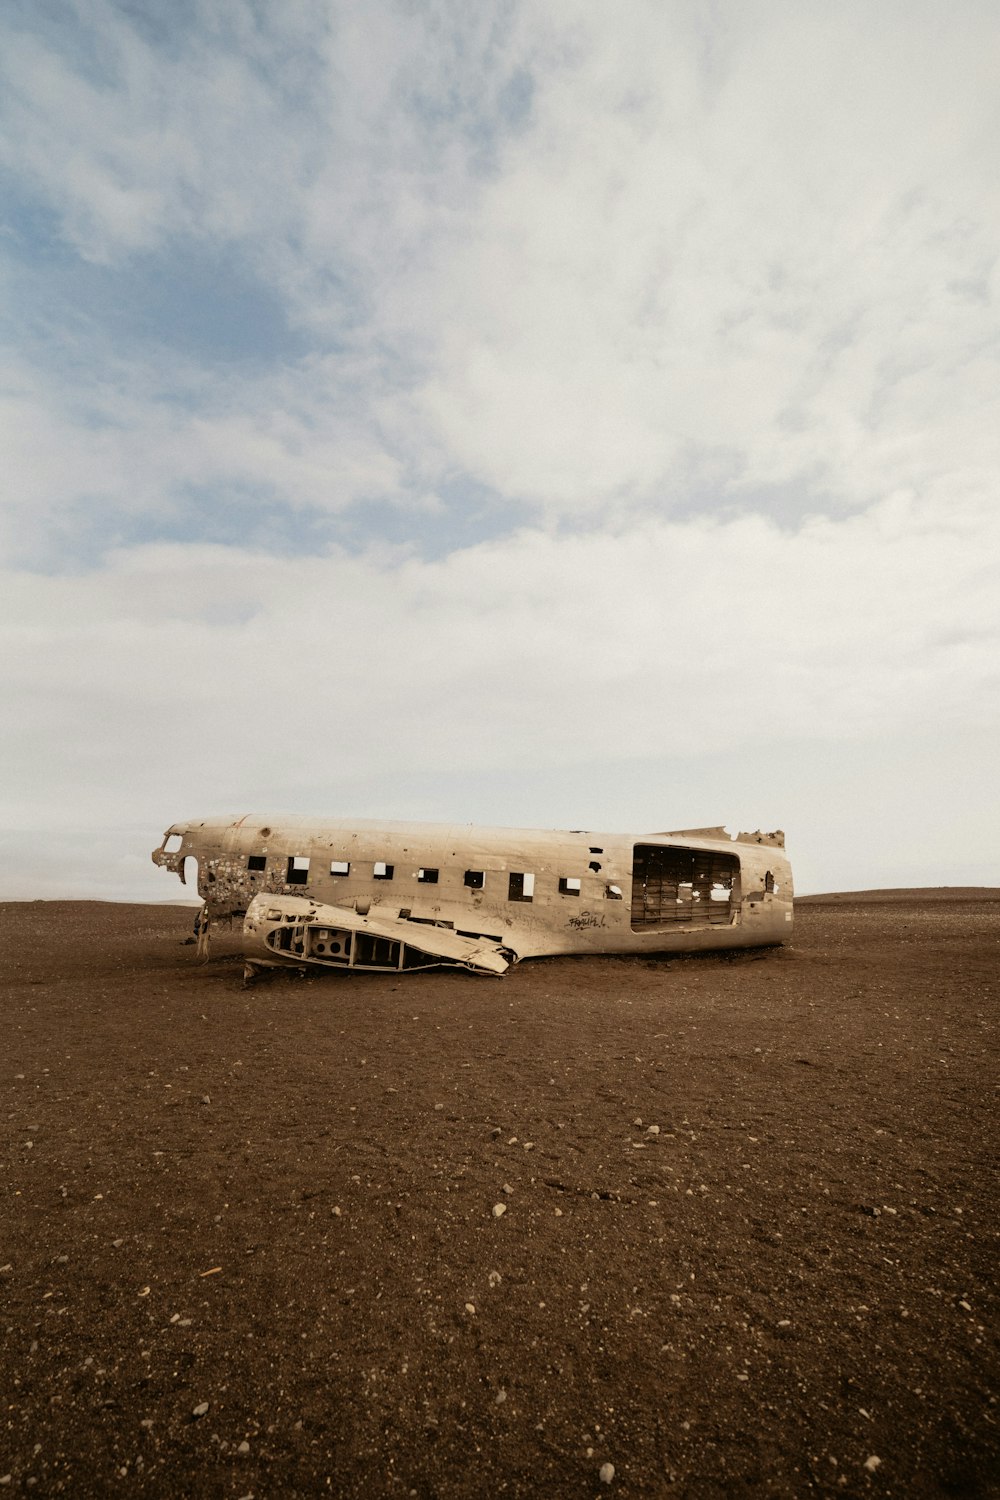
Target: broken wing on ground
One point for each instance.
(292, 931)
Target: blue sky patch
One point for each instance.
(254, 519)
(204, 303)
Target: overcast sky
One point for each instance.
(549, 414)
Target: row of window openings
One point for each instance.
(520, 885)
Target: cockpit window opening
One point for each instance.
(172, 843)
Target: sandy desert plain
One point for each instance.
(252, 1241)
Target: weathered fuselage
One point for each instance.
(526, 891)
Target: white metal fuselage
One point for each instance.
(528, 891)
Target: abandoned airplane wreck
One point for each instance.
(342, 895)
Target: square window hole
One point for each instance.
(569, 885)
(257, 862)
(381, 870)
(340, 867)
(298, 870)
(475, 879)
(521, 886)
(428, 877)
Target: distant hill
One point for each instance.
(915, 893)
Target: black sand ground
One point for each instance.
(250, 1243)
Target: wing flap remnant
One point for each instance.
(293, 932)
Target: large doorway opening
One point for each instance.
(670, 885)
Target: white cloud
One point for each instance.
(785, 255)
(615, 265)
(144, 144)
(185, 679)
(128, 449)
(754, 248)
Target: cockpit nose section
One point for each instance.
(169, 855)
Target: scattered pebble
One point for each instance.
(607, 1473)
(500, 1398)
(470, 1307)
(652, 1129)
(200, 1409)
(243, 1447)
(499, 1209)
(872, 1463)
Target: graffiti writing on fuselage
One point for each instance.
(587, 919)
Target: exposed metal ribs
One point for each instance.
(671, 885)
